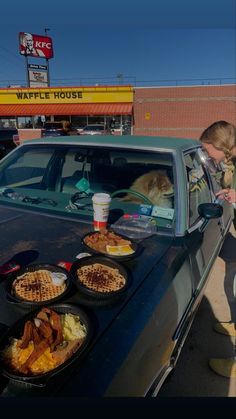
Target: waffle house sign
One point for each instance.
(95, 94)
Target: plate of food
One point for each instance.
(44, 342)
(110, 244)
(100, 277)
(39, 284)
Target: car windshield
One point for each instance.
(61, 179)
(53, 125)
(94, 128)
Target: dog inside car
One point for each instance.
(156, 186)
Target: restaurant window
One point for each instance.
(7, 123)
(126, 125)
(61, 118)
(114, 122)
(120, 124)
(24, 122)
(79, 121)
(96, 120)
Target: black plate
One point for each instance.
(17, 329)
(135, 246)
(104, 261)
(11, 297)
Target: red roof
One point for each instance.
(67, 109)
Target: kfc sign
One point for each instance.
(35, 45)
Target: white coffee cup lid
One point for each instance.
(101, 198)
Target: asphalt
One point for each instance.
(192, 376)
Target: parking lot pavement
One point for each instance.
(192, 376)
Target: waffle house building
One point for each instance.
(31, 107)
(176, 111)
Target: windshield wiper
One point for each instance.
(37, 200)
(15, 196)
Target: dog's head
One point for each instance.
(155, 185)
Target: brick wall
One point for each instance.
(182, 111)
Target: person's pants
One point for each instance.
(234, 287)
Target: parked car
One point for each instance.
(46, 189)
(6, 140)
(95, 129)
(55, 129)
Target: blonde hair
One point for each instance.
(222, 135)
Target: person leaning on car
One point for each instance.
(219, 141)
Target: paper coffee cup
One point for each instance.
(101, 203)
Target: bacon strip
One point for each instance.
(57, 326)
(46, 331)
(42, 316)
(55, 323)
(36, 338)
(27, 335)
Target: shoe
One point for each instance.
(226, 328)
(224, 366)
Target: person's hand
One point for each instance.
(228, 195)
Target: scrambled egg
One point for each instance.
(19, 356)
(72, 327)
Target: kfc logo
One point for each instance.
(39, 44)
(35, 45)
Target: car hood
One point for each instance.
(36, 238)
(54, 238)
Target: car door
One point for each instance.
(204, 238)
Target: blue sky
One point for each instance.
(146, 41)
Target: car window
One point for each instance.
(198, 185)
(53, 125)
(26, 168)
(94, 128)
(139, 182)
(216, 171)
(73, 163)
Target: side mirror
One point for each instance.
(210, 210)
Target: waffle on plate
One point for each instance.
(101, 278)
(36, 286)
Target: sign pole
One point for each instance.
(28, 84)
(27, 71)
(47, 60)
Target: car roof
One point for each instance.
(127, 141)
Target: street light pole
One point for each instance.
(47, 61)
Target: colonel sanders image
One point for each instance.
(28, 42)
